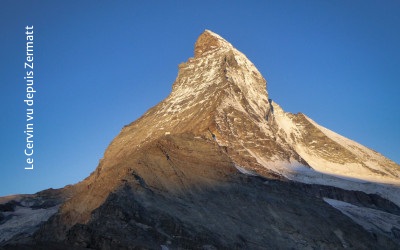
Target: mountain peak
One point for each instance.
(219, 75)
(219, 138)
(208, 41)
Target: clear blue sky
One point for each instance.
(100, 65)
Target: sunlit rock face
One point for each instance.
(219, 165)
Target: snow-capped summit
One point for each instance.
(221, 91)
(209, 41)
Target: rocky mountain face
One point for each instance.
(219, 165)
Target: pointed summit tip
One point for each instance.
(208, 41)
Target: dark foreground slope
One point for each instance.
(224, 209)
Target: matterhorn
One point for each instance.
(218, 164)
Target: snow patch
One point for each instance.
(352, 175)
(24, 220)
(164, 247)
(245, 171)
(285, 122)
(372, 220)
(295, 171)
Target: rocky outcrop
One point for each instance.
(209, 41)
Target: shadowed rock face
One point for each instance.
(218, 165)
(199, 202)
(244, 213)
